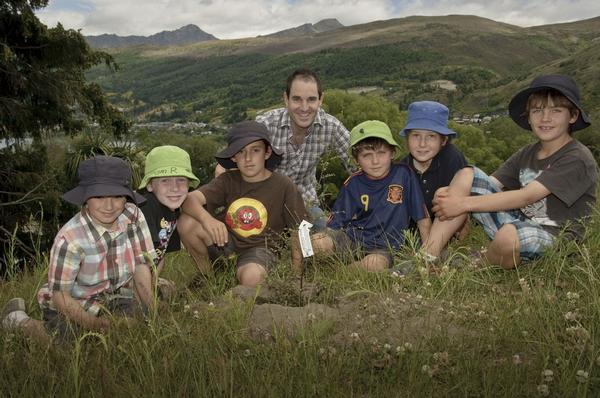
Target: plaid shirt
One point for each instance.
(87, 260)
(300, 162)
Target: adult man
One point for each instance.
(303, 131)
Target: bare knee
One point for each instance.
(322, 243)
(504, 250)
(374, 262)
(251, 274)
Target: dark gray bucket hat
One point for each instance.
(564, 84)
(242, 134)
(102, 176)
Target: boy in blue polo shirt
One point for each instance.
(433, 158)
(545, 187)
(376, 204)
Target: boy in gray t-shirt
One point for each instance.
(541, 189)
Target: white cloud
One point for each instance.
(234, 18)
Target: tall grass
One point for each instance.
(466, 332)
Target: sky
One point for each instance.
(231, 19)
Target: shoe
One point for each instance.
(198, 282)
(13, 305)
(166, 288)
(402, 268)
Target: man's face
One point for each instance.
(303, 102)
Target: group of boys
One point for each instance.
(103, 260)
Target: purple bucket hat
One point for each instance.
(102, 176)
(564, 84)
(242, 134)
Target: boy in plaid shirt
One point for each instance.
(99, 263)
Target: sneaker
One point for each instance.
(166, 288)
(402, 268)
(13, 305)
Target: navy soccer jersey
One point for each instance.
(375, 213)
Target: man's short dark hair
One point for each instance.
(303, 74)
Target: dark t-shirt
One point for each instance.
(442, 169)
(256, 212)
(162, 223)
(375, 213)
(570, 175)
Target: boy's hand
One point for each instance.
(447, 206)
(217, 231)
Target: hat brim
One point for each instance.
(425, 124)
(80, 194)
(224, 157)
(172, 171)
(518, 104)
(390, 141)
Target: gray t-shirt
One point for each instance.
(571, 176)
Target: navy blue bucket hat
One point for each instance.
(102, 176)
(428, 115)
(242, 134)
(563, 84)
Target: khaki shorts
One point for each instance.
(259, 255)
(343, 244)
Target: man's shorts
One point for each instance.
(533, 238)
(259, 254)
(344, 245)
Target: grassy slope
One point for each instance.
(466, 332)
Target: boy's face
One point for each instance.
(251, 161)
(303, 102)
(424, 145)
(550, 122)
(106, 209)
(170, 191)
(376, 163)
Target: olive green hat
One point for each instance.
(168, 161)
(373, 129)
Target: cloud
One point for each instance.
(228, 19)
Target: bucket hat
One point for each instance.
(373, 129)
(428, 115)
(168, 161)
(102, 176)
(242, 134)
(564, 84)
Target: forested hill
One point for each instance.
(483, 62)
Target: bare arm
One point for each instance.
(70, 308)
(424, 226)
(193, 206)
(142, 282)
(447, 206)
(219, 170)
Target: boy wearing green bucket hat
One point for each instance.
(376, 204)
(167, 178)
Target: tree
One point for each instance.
(42, 77)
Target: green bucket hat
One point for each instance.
(373, 128)
(168, 161)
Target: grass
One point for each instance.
(466, 332)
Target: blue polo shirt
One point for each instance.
(375, 213)
(442, 169)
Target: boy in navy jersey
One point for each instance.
(376, 205)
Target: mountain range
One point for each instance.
(193, 34)
(401, 59)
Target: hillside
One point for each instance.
(485, 59)
(324, 25)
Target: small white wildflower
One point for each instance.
(387, 347)
(517, 359)
(547, 375)
(571, 316)
(400, 350)
(543, 390)
(354, 336)
(419, 297)
(428, 284)
(196, 314)
(524, 333)
(582, 376)
(408, 346)
(211, 304)
(311, 316)
(524, 285)
(186, 308)
(425, 368)
(322, 351)
(572, 296)
(247, 352)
